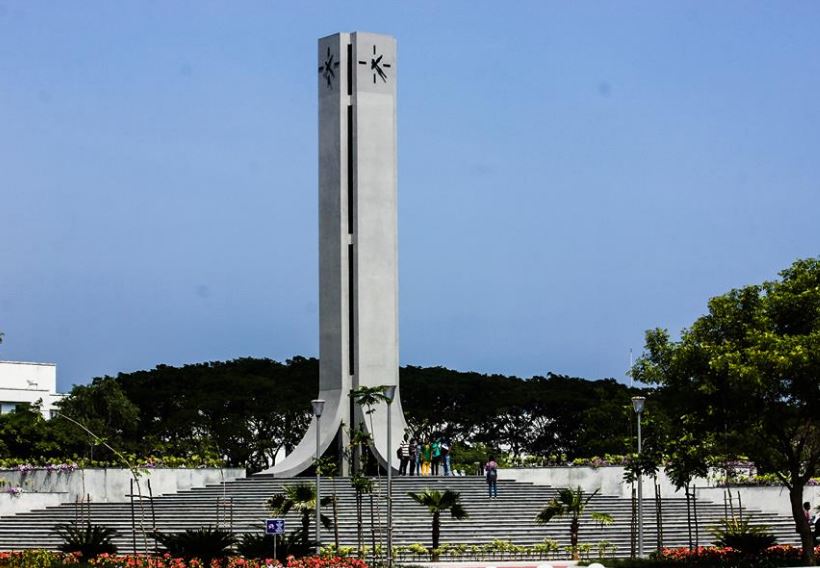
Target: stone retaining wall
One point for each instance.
(609, 481)
(13, 504)
(102, 485)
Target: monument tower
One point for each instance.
(358, 241)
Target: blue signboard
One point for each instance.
(274, 526)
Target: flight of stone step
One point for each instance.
(240, 506)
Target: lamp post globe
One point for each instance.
(318, 407)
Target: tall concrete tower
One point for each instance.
(358, 241)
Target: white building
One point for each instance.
(28, 383)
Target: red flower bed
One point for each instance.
(325, 562)
(167, 561)
(779, 555)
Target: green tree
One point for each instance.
(747, 374)
(571, 503)
(543, 415)
(25, 434)
(104, 409)
(302, 499)
(688, 457)
(438, 503)
(245, 410)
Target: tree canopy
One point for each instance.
(745, 378)
(242, 412)
(541, 416)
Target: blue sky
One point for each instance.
(570, 175)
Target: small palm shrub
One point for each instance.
(743, 536)
(258, 546)
(572, 503)
(302, 499)
(262, 546)
(205, 543)
(438, 503)
(89, 540)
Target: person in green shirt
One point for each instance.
(436, 454)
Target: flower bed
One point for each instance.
(48, 559)
(149, 462)
(778, 555)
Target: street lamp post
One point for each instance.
(637, 405)
(318, 407)
(389, 394)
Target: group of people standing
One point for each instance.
(433, 457)
(430, 457)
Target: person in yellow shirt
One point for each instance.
(426, 453)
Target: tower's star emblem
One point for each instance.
(377, 66)
(328, 68)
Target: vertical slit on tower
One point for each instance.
(349, 69)
(351, 321)
(350, 169)
(351, 327)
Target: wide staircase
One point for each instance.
(240, 506)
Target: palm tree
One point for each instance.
(368, 398)
(359, 438)
(327, 468)
(572, 502)
(361, 485)
(302, 499)
(437, 503)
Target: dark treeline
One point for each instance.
(541, 416)
(242, 412)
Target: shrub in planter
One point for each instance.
(548, 548)
(605, 548)
(89, 540)
(743, 536)
(418, 549)
(258, 546)
(344, 551)
(261, 546)
(205, 543)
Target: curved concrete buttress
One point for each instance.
(304, 454)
